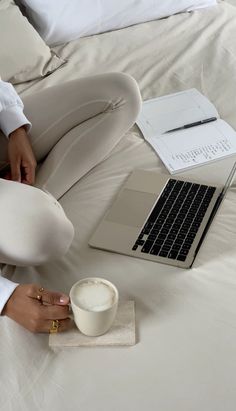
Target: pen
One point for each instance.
(197, 123)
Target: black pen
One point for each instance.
(197, 123)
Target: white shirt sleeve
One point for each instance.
(6, 289)
(11, 110)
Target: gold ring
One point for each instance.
(54, 327)
(39, 296)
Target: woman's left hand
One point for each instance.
(21, 157)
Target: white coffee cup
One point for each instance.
(94, 304)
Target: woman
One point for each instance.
(72, 128)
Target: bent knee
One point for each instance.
(130, 91)
(127, 89)
(35, 227)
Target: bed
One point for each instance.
(185, 353)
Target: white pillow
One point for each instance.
(59, 21)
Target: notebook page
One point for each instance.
(174, 110)
(195, 146)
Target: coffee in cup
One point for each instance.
(94, 304)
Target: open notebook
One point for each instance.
(191, 147)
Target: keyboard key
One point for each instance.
(135, 247)
(173, 254)
(183, 231)
(161, 236)
(168, 242)
(188, 241)
(164, 231)
(151, 237)
(140, 242)
(166, 247)
(171, 182)
(170, 220)
(162, 216)
(147, 247)
(191, 235)
(193, 229)
(163, 253)
(171, 236)
(184, 251)
(186, 246)
(167, 226)
(181, 257)
(178, 240)
(155, 232)
(181, 236)
(211, 190)
(159, 241)
(155, 249)
(146, 231)
(176, 246)
(197, 220)
(173, 232)
(178, 184)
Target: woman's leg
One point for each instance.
(77, 124)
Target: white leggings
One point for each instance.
(75, 126)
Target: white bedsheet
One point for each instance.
(185, 355)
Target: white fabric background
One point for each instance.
(184, 359)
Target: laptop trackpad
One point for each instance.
(131, 208)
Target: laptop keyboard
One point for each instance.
(175, 219)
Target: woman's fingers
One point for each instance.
(21, 157)
(54, 312)
(44, 326)
(64, 325)
(28, 310)
(54, 297)
(28, 173)
(16, 170)
(46, 296)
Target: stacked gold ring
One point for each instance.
(54, 327)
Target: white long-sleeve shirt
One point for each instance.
(11, 118)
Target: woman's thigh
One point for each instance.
(76, 124)
(86, 129)
(56, 110)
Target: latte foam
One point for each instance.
(94, 296)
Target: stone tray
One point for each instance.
(121, 333)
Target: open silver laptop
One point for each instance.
(159, 218)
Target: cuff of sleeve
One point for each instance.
(13, 118)
(6, 289)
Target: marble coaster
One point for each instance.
(121, 333)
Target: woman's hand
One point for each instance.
(21, 157)
(36, 316)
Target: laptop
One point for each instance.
(160, 218)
